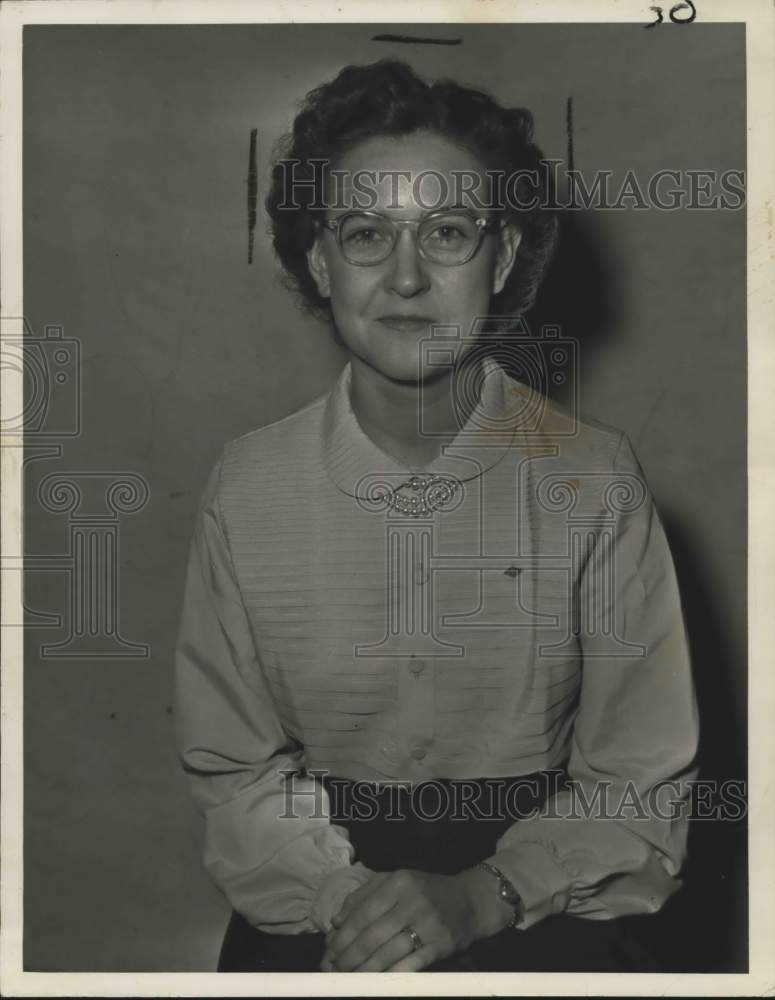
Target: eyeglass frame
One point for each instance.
(482, 227)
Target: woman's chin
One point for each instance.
(398, 365)
(402, 362)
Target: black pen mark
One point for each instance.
(252, 192)
(683, 20)
(569, 130)
(413, 40)
(659, 20)
(672, 14)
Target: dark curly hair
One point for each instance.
(388, 98)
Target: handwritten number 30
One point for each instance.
(672, 14)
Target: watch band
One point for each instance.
(507, 892)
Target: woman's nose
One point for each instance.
(407, 274)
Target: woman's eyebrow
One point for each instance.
(429, 213)
(455, 207)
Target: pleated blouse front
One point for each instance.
(530, 618)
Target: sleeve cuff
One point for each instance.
(544, 887)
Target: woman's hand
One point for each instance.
(447, 912)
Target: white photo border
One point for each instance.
(759, 16)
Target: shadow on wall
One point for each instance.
(711, 914)
(580, 293)
(704, 927)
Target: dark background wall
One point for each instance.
(135, 162)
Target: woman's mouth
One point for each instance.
(407, 323)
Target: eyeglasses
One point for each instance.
(449, 237)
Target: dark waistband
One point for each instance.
(442, 824)
(451, 799)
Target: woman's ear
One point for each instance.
(509, 238)
(318, 267)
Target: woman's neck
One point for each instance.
(411, 421)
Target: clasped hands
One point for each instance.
(447, 912)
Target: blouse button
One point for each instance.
(419, 753)
(417, 667)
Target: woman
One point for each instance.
(430, 580)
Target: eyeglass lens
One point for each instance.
(446, 239)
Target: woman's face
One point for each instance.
(383, 312)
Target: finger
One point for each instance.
(326, 964)
(374, 937)
(354, 900)
(356, 897)
(415, 960)
(399, 947)
(371, 909)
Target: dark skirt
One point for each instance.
(429, 830)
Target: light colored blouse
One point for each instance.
(530, 618)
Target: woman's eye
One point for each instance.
(446, 234)
(364, 236)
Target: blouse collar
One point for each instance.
(354, 461)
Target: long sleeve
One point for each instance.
(633, 745)
(276, 856)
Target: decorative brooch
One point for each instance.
(426, 494)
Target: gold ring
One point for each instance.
(414, 937)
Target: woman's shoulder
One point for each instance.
(573, 434)
(283, 444)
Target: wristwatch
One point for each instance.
(507, 893)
